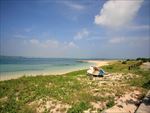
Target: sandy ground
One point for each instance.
(127, 102)
(145, 66)
(8, 76)
(52, 106)
(17, 75)
(99, 62)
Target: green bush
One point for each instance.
(124, 62)
(79, 107)
(144, 59)
(110, 103)
(109, 67)
(146, 85)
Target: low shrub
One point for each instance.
(79, 107)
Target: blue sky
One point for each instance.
(75, 28)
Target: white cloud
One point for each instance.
(116, 40)
(51, 47)
(134, 41)
(74, 5)
(138, 41)
(84, 33)
(72, 45)
(45, 43)
(117, 13)
(51, 44)
(34, 41)
(139, 27)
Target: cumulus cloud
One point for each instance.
(45, 43)
(41, 48)
(84, 33)
(72, 44)
(117, 13)
(51, 44)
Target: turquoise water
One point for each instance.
(10, 66)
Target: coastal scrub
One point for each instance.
(73, 92)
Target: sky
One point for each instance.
(75, 28)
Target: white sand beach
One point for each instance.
(15, 75)
(99, 62)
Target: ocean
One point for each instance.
(19, 66)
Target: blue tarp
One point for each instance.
(101, 72)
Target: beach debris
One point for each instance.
(95, 71)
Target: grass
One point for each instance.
(73, 88)
(110, 103)
(142, 81)
(79, 107)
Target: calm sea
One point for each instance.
(10, 66)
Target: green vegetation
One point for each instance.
(124, 62)
(143, 59)
(144, 75)
(79, 107)
(74, 89)
(140, 59)
(110, 103)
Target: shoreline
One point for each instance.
(47, 90)
(16, 75)
(99, 62)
